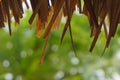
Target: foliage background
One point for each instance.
(20, 54)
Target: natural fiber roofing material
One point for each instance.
(48, 16)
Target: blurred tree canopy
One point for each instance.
(20, 54)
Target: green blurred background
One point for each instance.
(20, 54)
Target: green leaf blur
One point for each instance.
(20, 54)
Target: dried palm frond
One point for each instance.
(48, 14)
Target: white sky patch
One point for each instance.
(6, 63)
(6, 28)
(77, 11)
(63, 20)
(24, 6)
(50, 2)
(116, 76)
(100, 74)
(59, 75)
(117, 55)
(8, 76)
(74, 60)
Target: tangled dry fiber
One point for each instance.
(48, 14)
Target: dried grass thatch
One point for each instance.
(48, 14)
